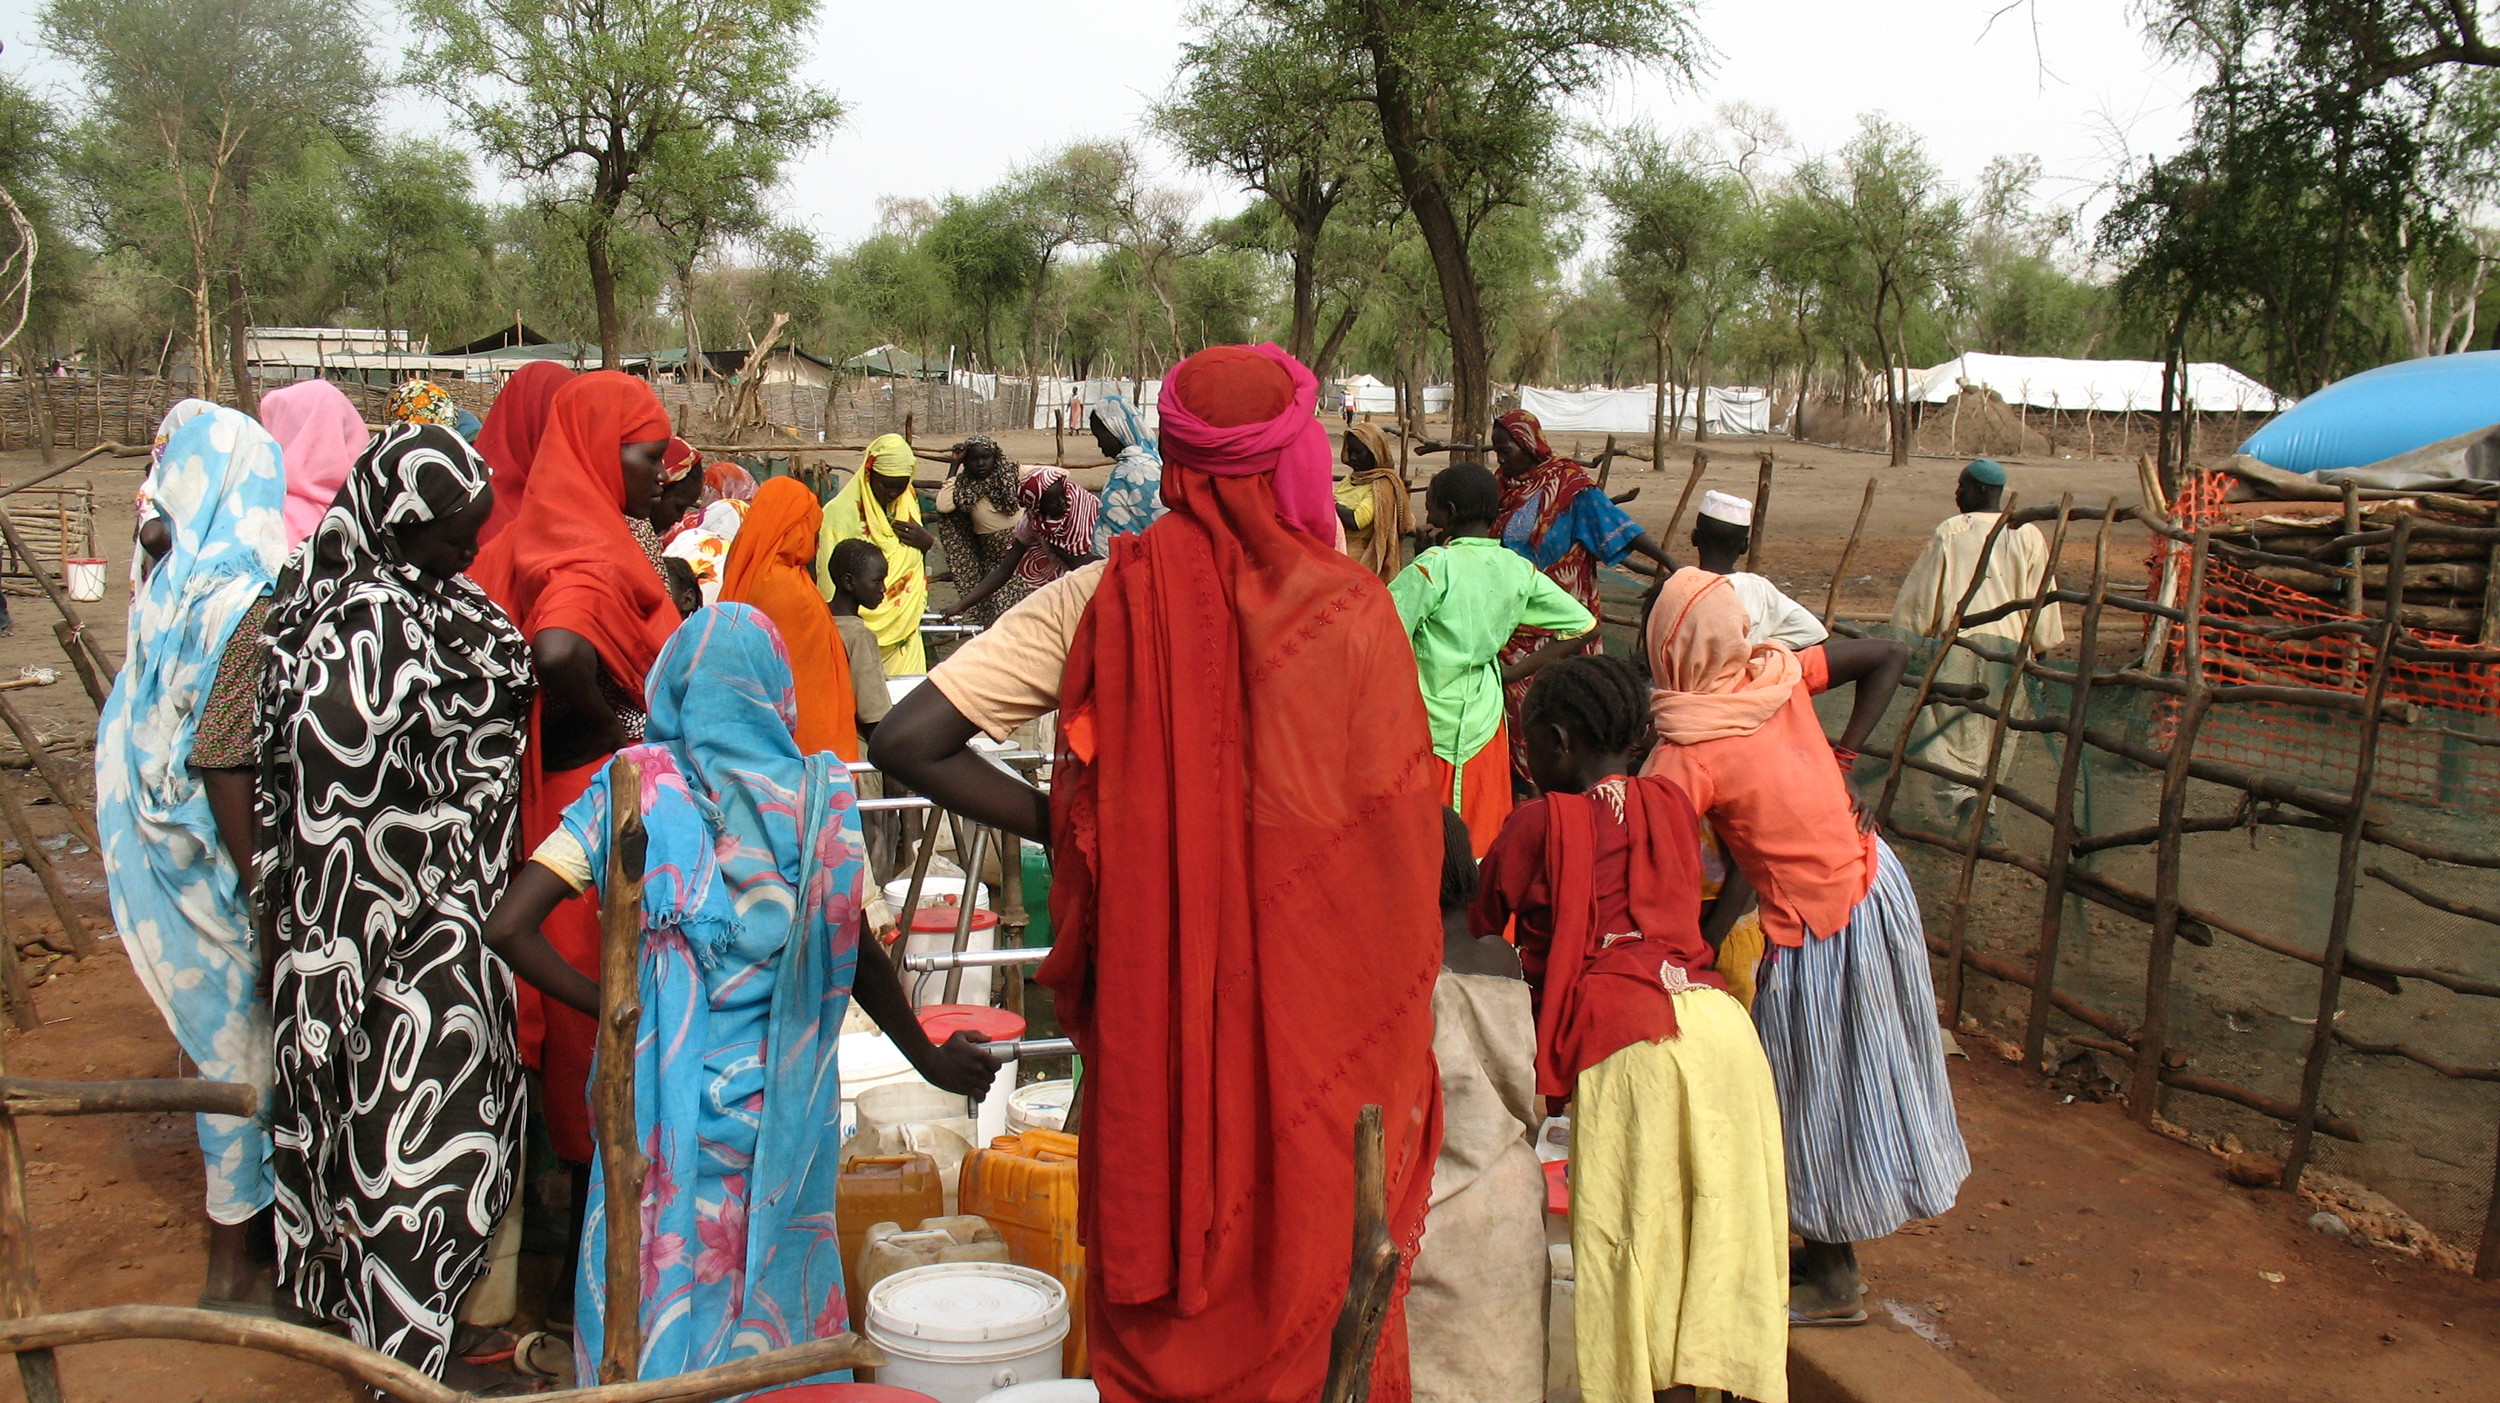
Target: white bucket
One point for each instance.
(928, 988)
(86, 579)
(865, 1061)
(934, 891)
(961, 1331)
(1041, 1106)
(1049, 1391)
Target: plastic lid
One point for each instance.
(1558, 1187)
(864, 1058)
(967, 1302)
(943, 1021)
(943, 916)
(1043, 1102)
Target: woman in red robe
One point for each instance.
(1245, 891)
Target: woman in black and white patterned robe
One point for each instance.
(392, 721)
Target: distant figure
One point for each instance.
(1949, 736)
(880, 504)
(1345, 405)
(1133, 497)
(1372, 503)
(1721, 536)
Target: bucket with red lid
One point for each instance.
(943, 1021)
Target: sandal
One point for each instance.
(485, 1346)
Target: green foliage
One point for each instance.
(30, 136)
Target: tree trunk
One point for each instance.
(1462, 305)
(603, 289)
(1658, 406)
(692, 370)
(239, 343)
(1900, 455)
(1302, 331)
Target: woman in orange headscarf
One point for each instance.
(570, 573)
(772, 565)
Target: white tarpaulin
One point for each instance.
(1371, 396)
(2108, 386)
(1052, 394)
(1731, 411)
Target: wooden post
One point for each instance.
(1957, 931)
(1927, 679)
(1605, 462)
(2348, 859)
(1059, 439)
(75, 647)
(21, 1000)
(63, 786)
(2062, 827)
(2489, 633)
(612, 1083)
(1356, 1339)
(1761, 511)
(1840, 571)
(1692, 484)
(51, 588)
(36, 1370)
(40, 863)
(2152, 1038)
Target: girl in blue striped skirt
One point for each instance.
(1847, 1009)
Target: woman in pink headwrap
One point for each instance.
(1218, 829)
(319, 434)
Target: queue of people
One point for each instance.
(356, 784)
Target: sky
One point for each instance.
(955, 94)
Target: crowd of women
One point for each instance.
(356, 777)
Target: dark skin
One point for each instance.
(1051, 507)
(155, 538)
(576, 724)
(1972, 495)
(889, 490)
(1517, 459)
(861, 588)
(1437, 519)
(960, 1064)
(922, 744)
(675, 499)
(1104, 439)
(1357, 459)
(1719, 551)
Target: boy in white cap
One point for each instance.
(1721, 536)
(1949, 736)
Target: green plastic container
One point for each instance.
(1036, 893)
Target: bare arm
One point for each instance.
(993, 582)
(1554, 651)
(575, 723)
(1735, 898)
(512, 932)
(960, 1064)
(1876, 665)
(1645, 544)
(923, 744)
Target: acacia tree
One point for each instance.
(591, 102)
(1280, 118)
(1468, 97)
(1676, 233)
(194, 102)
(1900, 243)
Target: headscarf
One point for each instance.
(1120, 417)
(319, 434)
(509, 440)
(391, 694)
(1132, 496)
(1285, 444)
(1711, 683)
(890, 455)
(145, 509)
(570, 560)
(769, 567)
(855, 511)
(985, 473)
(175, 892)
(1393, 510)
(755, 872)
(725, 481)
(423, 402)
(1072, 531)
(678, 459)
(1212, 818)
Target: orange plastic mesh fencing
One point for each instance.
(2436, 760)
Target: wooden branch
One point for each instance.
(1761, 512)
(18, 1296)
(63, 785)
(2232, 1092)
(39, 862)
(29, 1096)
(2435, 901)
(612, 1086)
(1692, 484)
(2415, 1054)
(1840, 571)
(393, 1379)
(1356, 1340)
(87, 659)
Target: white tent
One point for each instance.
(1730, 410)
(1051, 394)
(2108, 386)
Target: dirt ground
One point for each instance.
(2088, 1259)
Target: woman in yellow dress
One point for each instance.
(879, 504)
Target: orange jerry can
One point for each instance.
(877, 1189)
(1025, 1185)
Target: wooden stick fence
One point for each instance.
(2190, 696)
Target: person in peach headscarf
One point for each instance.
(319, 434)
(1845, 1004)
(1218, 829)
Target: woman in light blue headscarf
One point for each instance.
(1133, 498)
(754, 888)
(170, 866)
